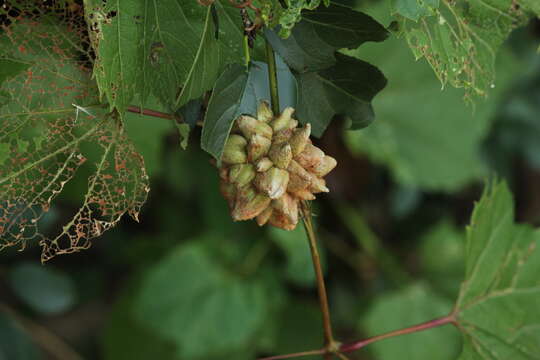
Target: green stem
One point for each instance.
(272, 77)
(247, 56)
(330, 344)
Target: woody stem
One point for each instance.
(321, 287)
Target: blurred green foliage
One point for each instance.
(187, 283)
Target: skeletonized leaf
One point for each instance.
(460, 39)
(49, 115)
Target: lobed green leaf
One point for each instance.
(51, 111)
(321, 33)
(331, 83)
(346, 88)
(497, 309)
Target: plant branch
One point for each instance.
(247, 56)
(449, 319)
(321, 287)
(295, 355)
(149, 112)
(347, 348)
(272, 77)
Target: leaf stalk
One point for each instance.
(247, 56)
(149, 112)
(449, 319)
(272, 77)
(350, 347)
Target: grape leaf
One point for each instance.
(50, 114)
(411, 305)
(147, 47)
(184, 314)
(460, 39)
(331, 83)
(206, 65)
(346, 88)
(497, 309)
(238, 92)
(314, 40)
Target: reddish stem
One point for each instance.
(347, 348)
(295, 355)
(450, 319)
(149, 112)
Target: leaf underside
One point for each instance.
(239, 92)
